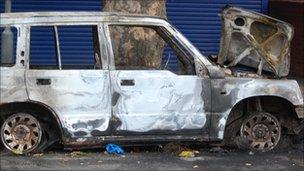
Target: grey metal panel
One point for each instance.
(12, 82)
(12, 85)
(80, 98)
(237, 89)
(159, 100)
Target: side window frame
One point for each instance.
(23, 46)
(19, 47)
(110, 46)
(103, 58)
(104, 43)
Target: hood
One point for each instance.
(255, 40)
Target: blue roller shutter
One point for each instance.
(197, 19)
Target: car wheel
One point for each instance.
(21, 133)
(262, 131)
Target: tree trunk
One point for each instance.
(136, 46)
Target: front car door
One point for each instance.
(158, 99)
(78, 93)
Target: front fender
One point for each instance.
(226, 93)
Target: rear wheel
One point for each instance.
(262, 131)
(21, 133)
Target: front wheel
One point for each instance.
(262, 130)
(21, 133)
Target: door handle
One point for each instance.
(127, 82)
(43, 81)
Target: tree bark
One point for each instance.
(136, 46)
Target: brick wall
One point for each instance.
(292, 11)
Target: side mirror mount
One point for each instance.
(212, 71)
(215, 72)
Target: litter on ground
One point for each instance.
(114, 149)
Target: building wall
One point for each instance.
(292, 11)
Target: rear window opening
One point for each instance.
(8, 39)
(76, 47)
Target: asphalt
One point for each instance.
(206, 159)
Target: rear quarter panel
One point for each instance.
(12, 85)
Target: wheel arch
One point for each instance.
(265, 99)
(7, 109)
(284, 104)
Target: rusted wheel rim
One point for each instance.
(262, 130)
(21, 133)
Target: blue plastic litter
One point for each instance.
(114, 149)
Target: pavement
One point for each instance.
(205, 159)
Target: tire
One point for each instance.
(262, 131)
(22, 133)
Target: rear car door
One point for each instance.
(73, 83)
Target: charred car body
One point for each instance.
(211, 101)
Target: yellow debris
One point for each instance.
(19, 152)
(186, 154)
(77, 154)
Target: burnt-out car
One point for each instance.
(240, 94)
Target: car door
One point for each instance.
(77, 91)
(154, 100)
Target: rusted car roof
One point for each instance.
(50, 17)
